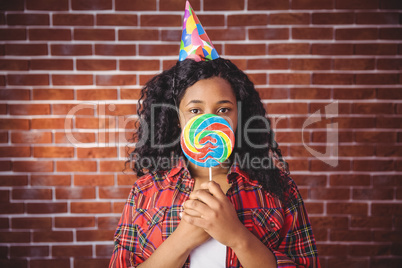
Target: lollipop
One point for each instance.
(207, 140)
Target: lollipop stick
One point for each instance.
(210, 174)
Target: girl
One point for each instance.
(251, 215)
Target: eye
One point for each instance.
(195, 111)
(223, 110)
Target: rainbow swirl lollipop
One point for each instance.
(207, 140)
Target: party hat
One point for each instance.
(195, 43)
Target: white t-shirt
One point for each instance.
(211, 254)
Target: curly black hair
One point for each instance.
(158, 124)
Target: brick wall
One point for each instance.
(70, 74)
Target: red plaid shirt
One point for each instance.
(152, 210)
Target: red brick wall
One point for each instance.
(60, 202)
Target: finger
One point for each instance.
(203, 196)
(197, 206)
(192, 212)
(215, 189)
(194, 194)
(204, 187)
(196, 221)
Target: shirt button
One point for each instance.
(148, 223)
(272, 224)
(188, 189)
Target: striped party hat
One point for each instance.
(195, 43)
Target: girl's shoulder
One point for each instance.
(153, 181)
(292, 195)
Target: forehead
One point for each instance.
(215, 87)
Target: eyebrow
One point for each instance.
(200, 101)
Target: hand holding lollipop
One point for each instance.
(207, 140)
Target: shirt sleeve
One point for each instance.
(125, 242)
(297, 248)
